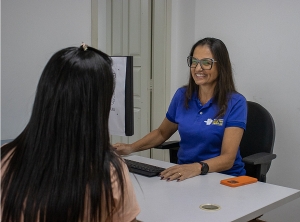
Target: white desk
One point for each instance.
(162, 201)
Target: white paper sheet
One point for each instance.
(117, 111)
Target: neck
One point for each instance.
(205, 94)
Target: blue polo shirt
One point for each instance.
(201, 135)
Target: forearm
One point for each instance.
(154, 138)
(151, 140)
(220, 163)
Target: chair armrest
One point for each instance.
(168, 145)
(259, 158)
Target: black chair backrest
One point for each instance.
(259, 135)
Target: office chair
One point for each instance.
(256, 146)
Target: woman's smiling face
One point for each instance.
(200, 76)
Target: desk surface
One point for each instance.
(160, 200)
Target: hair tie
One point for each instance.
(84, 46)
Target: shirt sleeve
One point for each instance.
(237, 113)
(171, 113)
(130, 209)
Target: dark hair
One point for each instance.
(225, 84)
(61, 163)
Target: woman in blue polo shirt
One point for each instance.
(209, 114)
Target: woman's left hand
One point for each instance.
(181, 172)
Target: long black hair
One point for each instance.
(61, 163)
(225, 84)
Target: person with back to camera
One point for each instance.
(209, 114)
(62, 167)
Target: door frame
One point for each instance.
(161, 67)
(161, 57)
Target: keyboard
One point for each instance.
(143, 168)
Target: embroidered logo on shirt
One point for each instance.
(218, 122)
(208, 121)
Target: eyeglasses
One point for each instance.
(206, 64)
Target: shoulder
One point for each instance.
(237, 102)
(113, 170)
(237, 98)
(181, 91)
(179, 94)
(122, 173)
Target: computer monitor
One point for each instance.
(121, 120)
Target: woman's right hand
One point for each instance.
(123, 148)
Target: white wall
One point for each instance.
(32, 31)
(182, 39)
(263, 40)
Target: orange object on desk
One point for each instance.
(238, 181)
